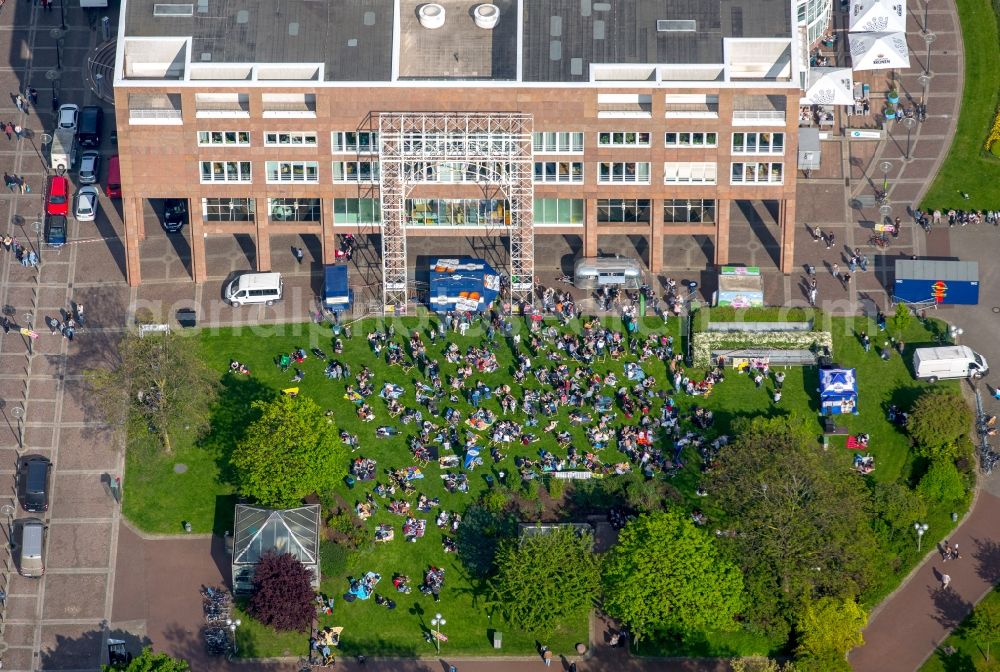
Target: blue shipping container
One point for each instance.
(942, 282)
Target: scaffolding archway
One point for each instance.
(412, 142)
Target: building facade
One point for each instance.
(628, 117)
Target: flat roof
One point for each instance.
(563, 37)
(353, 38)
(557, 40)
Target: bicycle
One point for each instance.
(879, 240)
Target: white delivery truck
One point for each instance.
(63, 150)
(950, 361)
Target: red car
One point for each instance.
(57, 200)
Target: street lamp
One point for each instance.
(920, 528)
(955, 332)
(924, 81)
(929, 39)
(232, 628)
(37, 226)
(28, 320)
(18, 413)
(62, 14)
(909, 122)
(927, 3)
(886, 166)
(57, 35)
(437, 622)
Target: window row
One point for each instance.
(556, 142)
(558, 171)
(623, 171)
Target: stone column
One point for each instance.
(263, 237)
(655, 235)
(132, 214)
(590, 229)
(328, 238)
(787, 221)
(722, 206)
(199, 268)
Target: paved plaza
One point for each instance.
(105, 580)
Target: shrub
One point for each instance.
(495, 500)
(283, 594)
(939, 420)
(942, 484)
(901, 320)
(347, 530)
(556, 487)
(332, 558)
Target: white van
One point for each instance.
(32, 547)
(952, 361)
(251, 288)
(62, 150)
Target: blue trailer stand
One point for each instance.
(337, 293)
(926, 281)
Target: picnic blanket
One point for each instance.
(472, 459)
(364, 588)
(448, 461)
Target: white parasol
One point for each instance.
(829, 86)
(879, 51)
(878, 16)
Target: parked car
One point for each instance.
(69, 116)
(90, 167)
(33, 482)
(175, 214)
(88, 134)
(55, 230)
(57, 198)
(86, 204)
(29, 542)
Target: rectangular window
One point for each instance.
(689, 172)
(457, 212)
(297, 139)
(689, 211)
(757, 173)
(623, 210)
(294, 209)
(226, 171)
(557, 142)
(456, 172)
(690, 139)
(292, 171)
(228, 209)
(758, 143)
(622, 139)
(355, 142)
(558, 171)
(357, 211)
(559, 211)
(627, 171)
(227, 138)
(355, 171)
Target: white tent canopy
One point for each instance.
(829, 86)
(879, 51)
(878, 16)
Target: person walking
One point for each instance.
(846, 280)
(299, 254)
(33, 92)
(817, 233)
(8, 128)
(945, 580)
(835, 270)
(954, 553)
(547, 655)
(18, 131)
(812, 299)
(866, 341)
(829, 241)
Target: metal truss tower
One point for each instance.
(496, 145)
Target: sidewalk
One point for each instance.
(910, 625)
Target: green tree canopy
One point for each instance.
(148, 661)
(544, 577)
(942, 484)
(157, 383)
(898, 507)
(939, 422)
(289, 452)
(829, 627)
(801, 519)
(984, 627)
(665, 574)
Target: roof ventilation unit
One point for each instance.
(431, 15)
(486, 16)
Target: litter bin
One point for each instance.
(186, 317)
(497, 639)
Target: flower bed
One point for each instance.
(707, 341)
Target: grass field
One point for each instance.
(158, 499)
(968, 167)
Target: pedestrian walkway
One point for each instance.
(912, 623)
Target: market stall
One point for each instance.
(838, 391)
(462, 284)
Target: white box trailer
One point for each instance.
(62, 150)
(951, 361)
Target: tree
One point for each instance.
(544, 577)
(984, 627)
(148, 661)
(289, 452)
(829, 627)
(157, 384)
(898, 507)
(481, 534)
(901, 319)
(665, 574)
(939, 421)
(942, 484)
(801, 520)
(282, 593)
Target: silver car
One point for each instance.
(86, 204)
(90, 167)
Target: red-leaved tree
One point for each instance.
(282, 593)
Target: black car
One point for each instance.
(89, 127)
(33, 482)
(55, 230)
(175, 214)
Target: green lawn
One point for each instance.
(970, 654)
(969, 167)
(158, 500)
